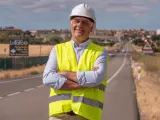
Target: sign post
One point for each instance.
(147, 50)
(5, 66)
(18, 48)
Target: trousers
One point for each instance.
(67, 117)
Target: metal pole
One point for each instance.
(40, 50)
(23, 59)
(5, 59)
(5, 63)
(146, 64)
(14, 62)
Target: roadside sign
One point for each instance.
(147, 49)
(18, 48)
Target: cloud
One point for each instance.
(127, 6)
(17, 2)
(46, 6)
(39, 6)
(140, 9)
(128, 9)
(154, 1)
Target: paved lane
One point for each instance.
(120, 98)
(31, 105)
(19, 85)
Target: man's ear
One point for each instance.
(93, 27)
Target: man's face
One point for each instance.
(81, 28)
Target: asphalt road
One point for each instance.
(120, 98)
(27, 98)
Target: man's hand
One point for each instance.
(69, 85)
(69, 75)
(95, 68)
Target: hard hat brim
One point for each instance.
(73, 16)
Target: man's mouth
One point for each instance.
(81, 31)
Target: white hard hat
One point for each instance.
(83, 10)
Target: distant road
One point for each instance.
(120, 98)
(27, 99)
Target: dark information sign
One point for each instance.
(18, 48)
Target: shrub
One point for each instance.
(33, 72)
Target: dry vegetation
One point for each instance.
(21, 73)
(148, 87)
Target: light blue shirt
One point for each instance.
(85, 78)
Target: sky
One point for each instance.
(54, 14)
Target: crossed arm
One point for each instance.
(67, 80)
(72, 81)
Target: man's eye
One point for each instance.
(76, 21)
(85, 22)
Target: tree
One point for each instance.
(4, 37)
(139, 42)
(55, 40)
(37, 41)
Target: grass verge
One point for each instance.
(150, 63)
(148, 87)
(21, 73)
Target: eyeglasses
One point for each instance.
(83, 22)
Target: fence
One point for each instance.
(21, 62)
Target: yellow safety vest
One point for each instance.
(86, 102)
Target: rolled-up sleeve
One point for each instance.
(93, 78)
(50, 76)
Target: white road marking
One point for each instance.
(24, 91)
(13, 94)
(29, 89)
(111, 78)
(40, 86)
(19, 79)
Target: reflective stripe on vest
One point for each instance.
(82, 99)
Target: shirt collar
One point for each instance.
(83, 45)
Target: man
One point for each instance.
(76, 72)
